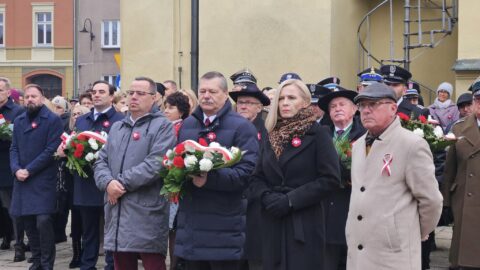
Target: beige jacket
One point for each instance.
(390, 214)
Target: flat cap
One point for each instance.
(476, 88)
(464, 98)
(376, 91)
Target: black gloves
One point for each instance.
(277, 204)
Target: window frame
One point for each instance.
(110, 34)
(2, 25)
(45, 25)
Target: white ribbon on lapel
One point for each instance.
(387, 160)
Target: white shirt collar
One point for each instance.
(96, 113)
(337, 129)
(212, 117)
(478, 122)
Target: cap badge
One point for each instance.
(392, 70)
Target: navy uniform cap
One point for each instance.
(370, 75)
(476, 88)
(330, 82)
(243, 76)
(395, 74)
(289, 76)
(317, 92)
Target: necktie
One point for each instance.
(340, 132)
(370, 139)
(95, 117)
(207, 122)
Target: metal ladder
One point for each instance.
(429, 32)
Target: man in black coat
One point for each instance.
(211, 216)
(346, 128)
(397, 78)
(250, 101)
(9, 110)
(36, 136)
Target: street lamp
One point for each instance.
(84, 30)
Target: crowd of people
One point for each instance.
(329, 178)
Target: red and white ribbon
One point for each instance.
(2, 119)
(387, 160)
(87, 134)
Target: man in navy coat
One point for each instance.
(86, 196)
(10, 111)
(211, 217)
(36, 136)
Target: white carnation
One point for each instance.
(169, 154)
(190, 160)
(214, 144)
(96, 154)
(93, 144)
(89, 157)
(208, 155)
(205, 165)
(418, 132)
(235, 150)
(438, 132)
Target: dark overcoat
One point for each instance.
(253, 244)
(338, 202)
(10, 111)
(211, 219)
(86, 192)
(307, 174)
(33, 146)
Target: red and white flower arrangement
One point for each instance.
(191, 158)
(6, 129)
(82, 149)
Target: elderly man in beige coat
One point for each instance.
(395, 201)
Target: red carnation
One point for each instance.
(79, 147)
(178, 162)
(202, 142)
(77, 154)
(403, 116)
(73, 144)
(81, 137)
(180, 149)
(349, 153)
(422, 119)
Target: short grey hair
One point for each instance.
(6, 81)
(215, 74)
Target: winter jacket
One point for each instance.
(139, 220)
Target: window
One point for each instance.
(44, 28)
(111, 79)
(1, 30)
(111, 34)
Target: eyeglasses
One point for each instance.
(239, 103)
(371, 105)
(139, 93)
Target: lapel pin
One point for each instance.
(34, 125)
(259, 136)
(296, 142)
(106, 124)
(211, 136)
(136, 136)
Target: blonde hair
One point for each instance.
(191, 97)
(272, 117)
(118, 96)
(80, 108)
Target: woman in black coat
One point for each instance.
(298, 167)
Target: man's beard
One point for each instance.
(32, 110)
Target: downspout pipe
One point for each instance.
(194, 46)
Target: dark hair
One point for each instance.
(215, 74)
(34, 86)
(180, 101)
(111, 88)
(153, 85)
(84, 95)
